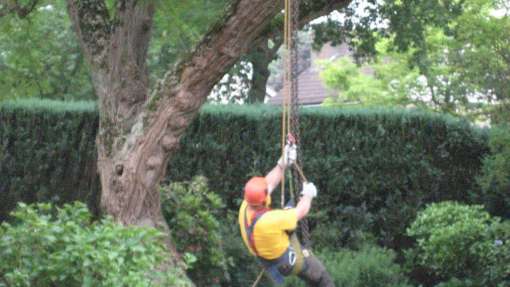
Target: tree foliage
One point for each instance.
(388, 83)
(178, 27)
(194, 211)
(40, 56)
(451, 56)
(481, 54)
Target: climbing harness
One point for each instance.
(290, 262)
(250, 227)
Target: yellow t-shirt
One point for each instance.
(269, 234)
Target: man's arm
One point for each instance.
(303, 207)
(304, 204)
(274, 177)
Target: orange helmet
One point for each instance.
(255, 190)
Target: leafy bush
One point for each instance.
(208, 236)
(61, 247)
(460, 241)
(452, 238)
(371, 266)
(192, 211)
(495, 179)
(498, 271)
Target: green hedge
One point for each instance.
(374, 168)
(47, 153)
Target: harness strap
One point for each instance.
(249, 228)
(300, 260)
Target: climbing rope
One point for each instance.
(290, 116)
(290, 107)
(289, 80)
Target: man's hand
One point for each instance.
(309, 190)
(289, 156)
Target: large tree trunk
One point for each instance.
(138, 133)
(140, 130)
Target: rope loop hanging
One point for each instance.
(290, 107)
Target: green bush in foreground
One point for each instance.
(61, 247)
(193, 211)
(463, 242)
(371, 266)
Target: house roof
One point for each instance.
(311, 90)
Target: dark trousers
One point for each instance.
(314, 273)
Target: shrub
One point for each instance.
(371, 266)
(456, 240)
(498, 271)
(192, 211)
(61, 247)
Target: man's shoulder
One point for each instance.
(281, 213)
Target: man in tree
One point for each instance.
(269, 233)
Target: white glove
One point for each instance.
(289, 156)
(309, 190)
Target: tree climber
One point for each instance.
(268, 233)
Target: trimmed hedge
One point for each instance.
(374, 168)
(47, 153)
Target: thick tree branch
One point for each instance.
(218, 51)
(116, 50)
(310, 10)
(92, 25)
(127, 56)
(178, 97)
(183, 91)
(307, 12)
